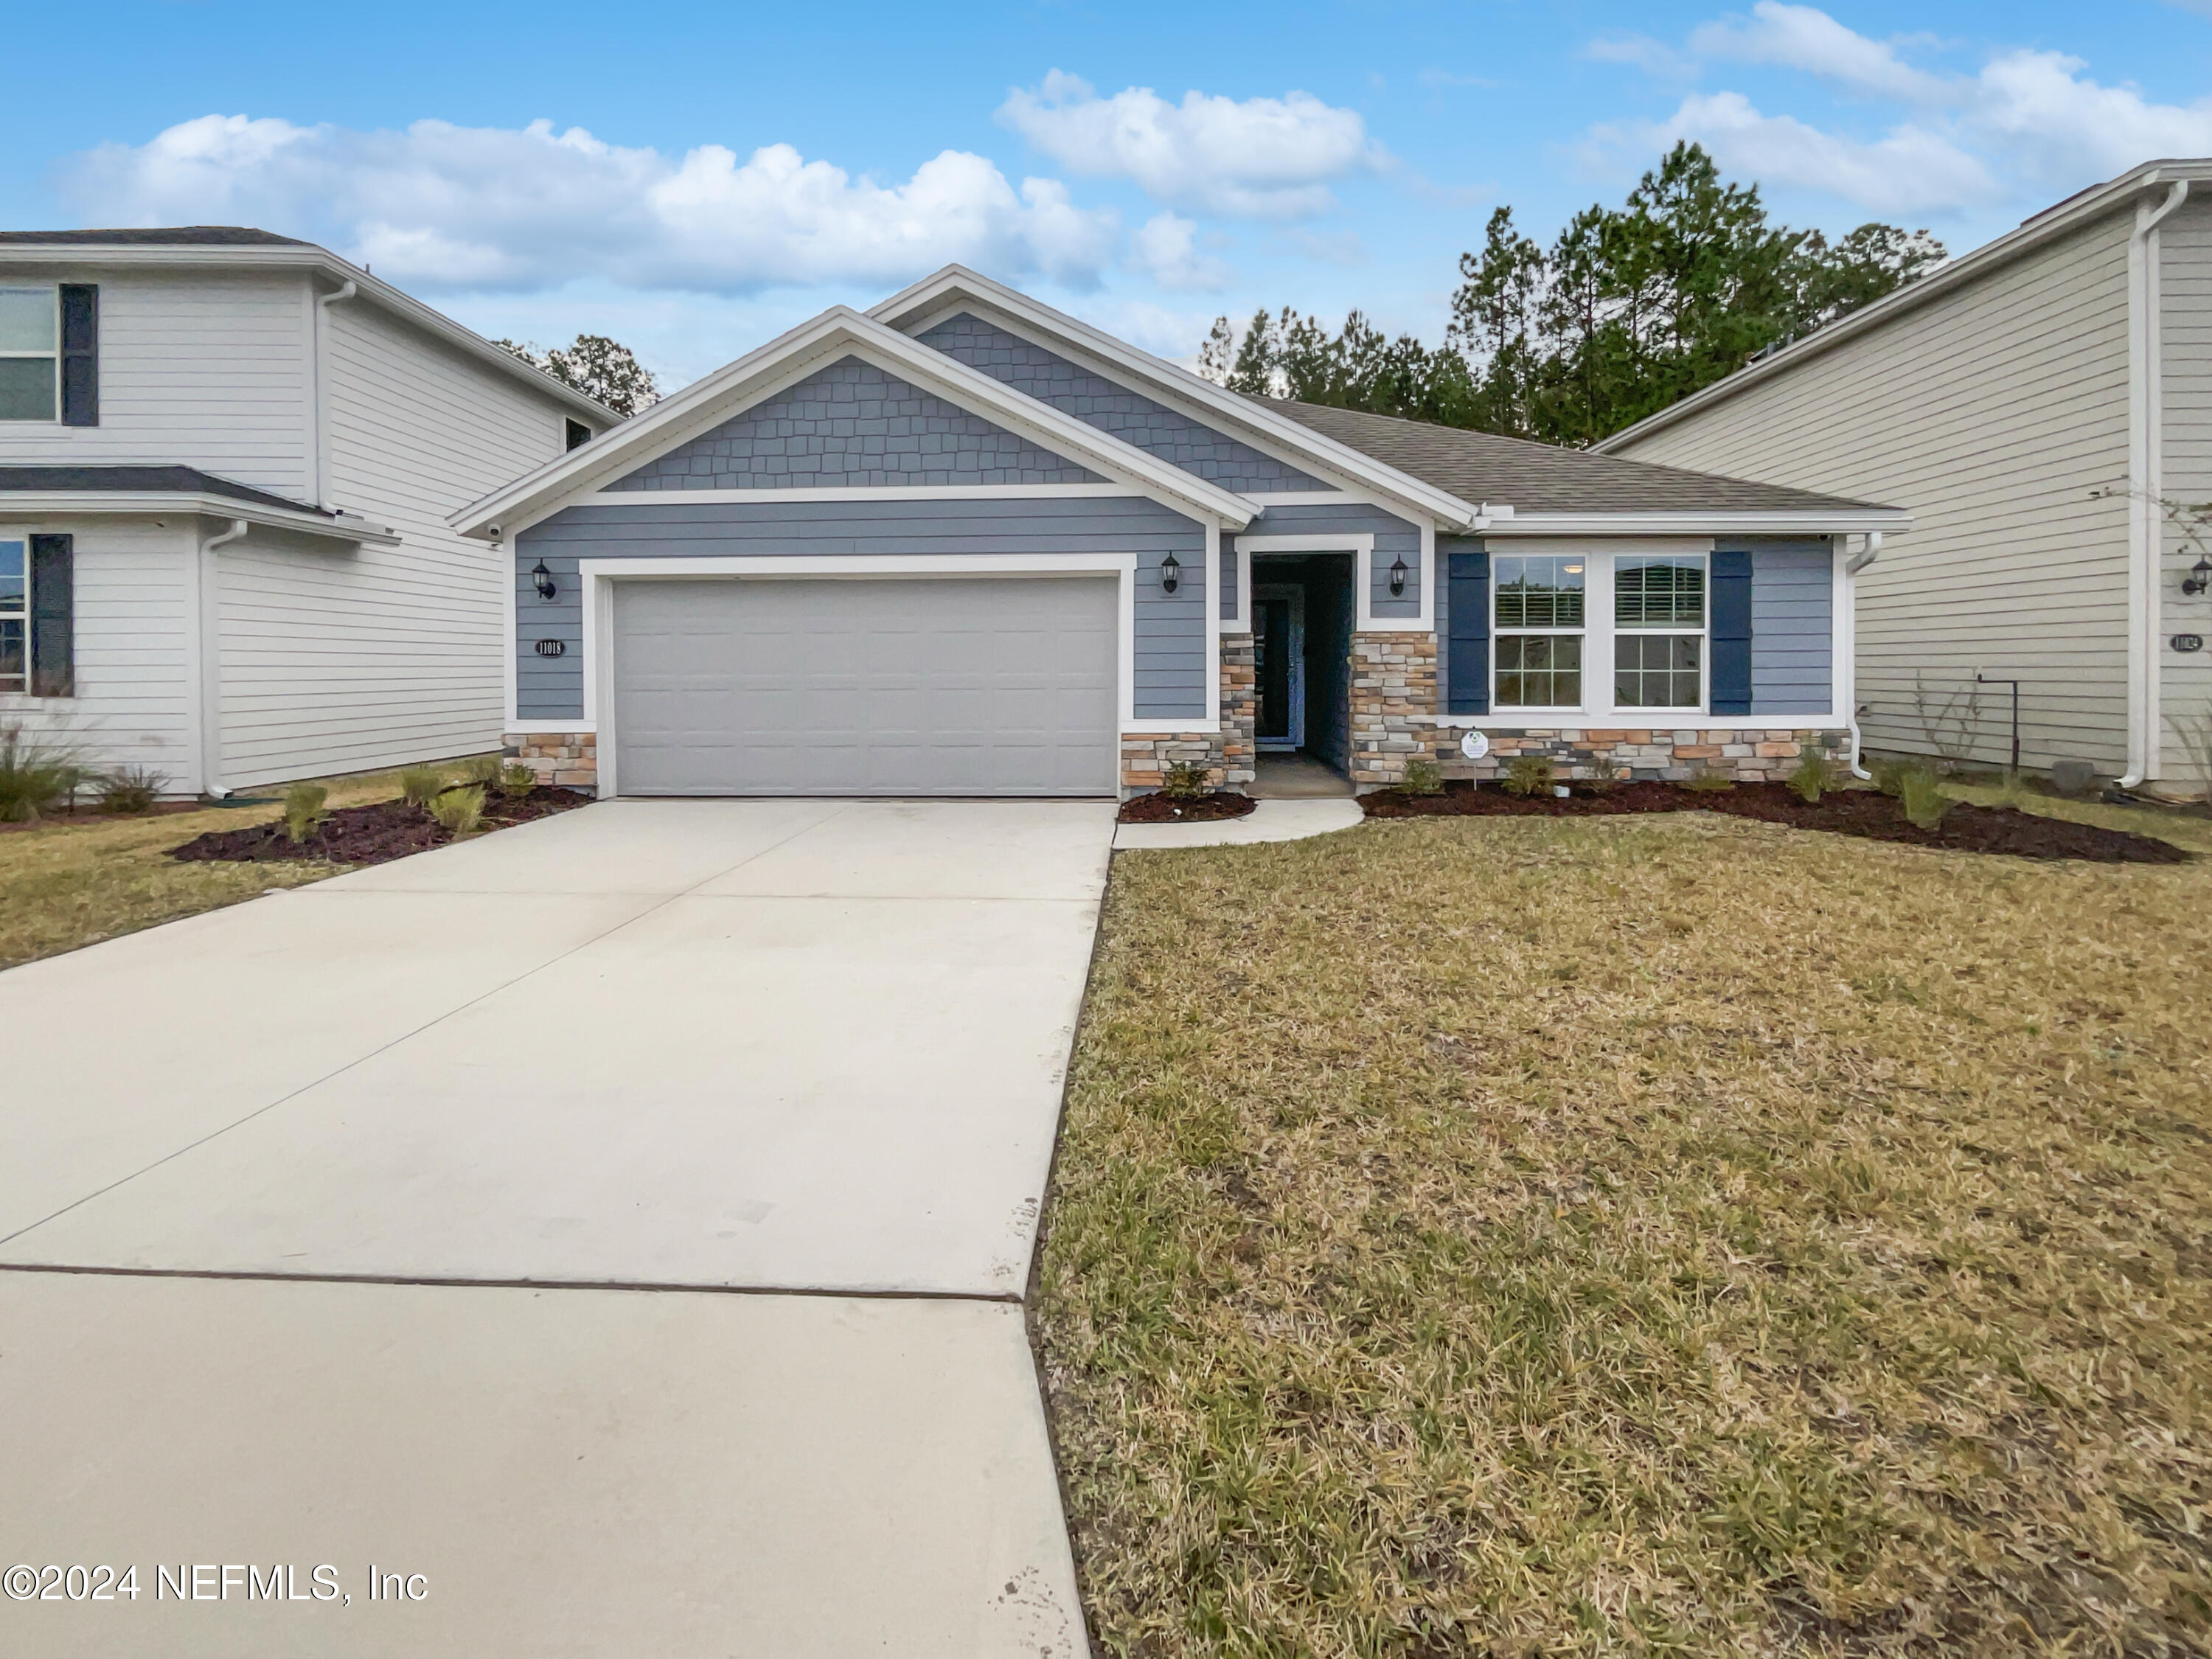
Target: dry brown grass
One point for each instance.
(65, 884)
(1513, 1236)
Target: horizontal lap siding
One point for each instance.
(1394, 539)
(198, 368)
(1792, 626)
(2185, 374)
(346, 660)
(1171, 666)
(1991, 414)
(134, 628)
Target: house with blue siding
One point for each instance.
(964, 544)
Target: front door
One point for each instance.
(1278, 649)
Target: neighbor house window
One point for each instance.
(1659, 631)
(15, 612)
(1539, 631)
(30, 353)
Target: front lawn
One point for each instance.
(68, 882)
(1640, 1235)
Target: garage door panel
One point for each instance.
(988, 686)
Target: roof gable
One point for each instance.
(1174, 436)
(854, 424)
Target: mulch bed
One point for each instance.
(1965, 828)
(371, 834)
(1162, 808)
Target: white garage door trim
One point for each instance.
(600, 576)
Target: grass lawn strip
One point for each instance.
(1639, 1235)
(63, 885)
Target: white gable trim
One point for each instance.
(838, 332)
(936, 296)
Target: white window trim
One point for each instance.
(24, 536)
(54, 353)
(598, 577)
(1361, 546)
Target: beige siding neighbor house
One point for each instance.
(227, 461)
(2032, 405)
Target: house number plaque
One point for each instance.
(2187, 642)
(552, 647)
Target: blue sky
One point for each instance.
(694, 178)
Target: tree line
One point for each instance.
(1631, 309)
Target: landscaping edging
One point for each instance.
(1866, 813)
(371, 834)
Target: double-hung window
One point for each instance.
(30, 353)
(1539, 619)
(15, 612)
(1659, 631)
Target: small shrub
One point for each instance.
(34, 774)
(1813, 776)
(1529, 774)
(303, 810)
(418, 784)
(1185, 780)
(482, 769)
(459, 810)
(132, 789)
(2013, 790)
(1424, 776)
(516, 780)
(1921, 795)
(1703, 779)
(1889, 776)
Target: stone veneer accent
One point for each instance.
(1756, 756)
(569, 759)
(1239, 710)
(1393, 705)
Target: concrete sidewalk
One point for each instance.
(706, 1046)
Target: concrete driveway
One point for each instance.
(394, 1220)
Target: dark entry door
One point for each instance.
(1278, 666)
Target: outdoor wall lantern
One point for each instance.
(547, 587)
(2199, 577)
(1170, 574)
(1398, 577)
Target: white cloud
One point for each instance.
(1165, 248)
(498, 209)
(2026, 125)
(1262, 158)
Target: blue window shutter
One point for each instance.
(1729, 632)
(80, 355)
(54, 616)
(1466, 673)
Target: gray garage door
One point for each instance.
(994, 686)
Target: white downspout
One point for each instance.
(1849, 678)
(323, 303)
(2145, 477)
(209, 587)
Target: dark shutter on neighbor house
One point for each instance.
(53, 617)
(1730, 631)
(1467, 672)
(80, 355)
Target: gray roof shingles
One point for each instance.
(169, 236)
(143, 481)
(1533, 477)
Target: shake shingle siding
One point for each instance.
(1129, 416)
(853, 425)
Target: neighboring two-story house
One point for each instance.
(227, 462)
(2041, 405)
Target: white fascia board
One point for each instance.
(1200, 396)
(2024, 238)
(108, 503)
(838, 332)
(865, 493)
(1840, 522)
(93, 258)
